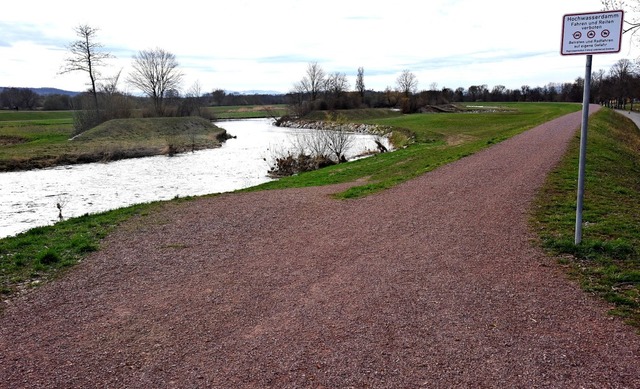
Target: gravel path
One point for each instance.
(432, 284)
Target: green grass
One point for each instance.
(41, 253)
(42, 141)
(607, 262)
(40, 116)
(247, 111)
(439, 139)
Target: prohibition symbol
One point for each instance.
(605, 33)
(577, 35)
(591, 34)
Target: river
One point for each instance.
(29, 199)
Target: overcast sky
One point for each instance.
(240, 45)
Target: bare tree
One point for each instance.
(360, 82)
(155, 72)
(407, 83)
(86, 55)
(335, 87)
(631, 6)
(622, 75)
(313, 82)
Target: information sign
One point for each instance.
(592, 33)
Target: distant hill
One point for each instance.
(47, 91)
(256, 92)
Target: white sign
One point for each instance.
(592, 33)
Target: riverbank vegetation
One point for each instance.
(42, 139)
(426, 141)
(430, 140)
(607, 262)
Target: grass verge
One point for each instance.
(28, 259)
(607, 262)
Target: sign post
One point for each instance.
(589, 33)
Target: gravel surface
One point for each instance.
(435, 283)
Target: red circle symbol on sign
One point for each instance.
(591, 34)
(604, 33)
(577, 35)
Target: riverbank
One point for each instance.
(40, 144)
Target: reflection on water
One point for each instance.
(28, 199)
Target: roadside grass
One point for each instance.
(41, 253)
(37, 255)
(607, 262)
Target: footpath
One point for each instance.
(435, 283)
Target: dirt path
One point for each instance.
(432, 284)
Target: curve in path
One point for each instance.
(434, 283)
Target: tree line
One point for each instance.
(318, 90)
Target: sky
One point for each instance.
(242, 45)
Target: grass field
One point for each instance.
(607, 262)
(41, 139)
(247, 111)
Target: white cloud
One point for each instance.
(256, 44)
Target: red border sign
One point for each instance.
(592, 33)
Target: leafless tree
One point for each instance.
(115, 104)
(407, 83)
(360, 82)
(313, 82)
(631, 24)
(155, 72)
(86, 55)
(336, 83)
(338, 142)
(622, 75)
(336, 86)
(631, 20)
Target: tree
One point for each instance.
(360, 82)
(313, 82)
(19, 98)
(497, 92)
(630, 24)
(155, 72)
(86, 55)
(622, 76)
(407, 83)
(336, 85)
(217, 96)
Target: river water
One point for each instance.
(29, 199)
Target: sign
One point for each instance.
(592, 33)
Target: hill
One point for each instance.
(45, 91)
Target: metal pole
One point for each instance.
(583, 149)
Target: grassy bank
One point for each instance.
(247, 111)
(41, 139)
(607, 262)
(438, 138)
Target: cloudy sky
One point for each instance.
(240, 45)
